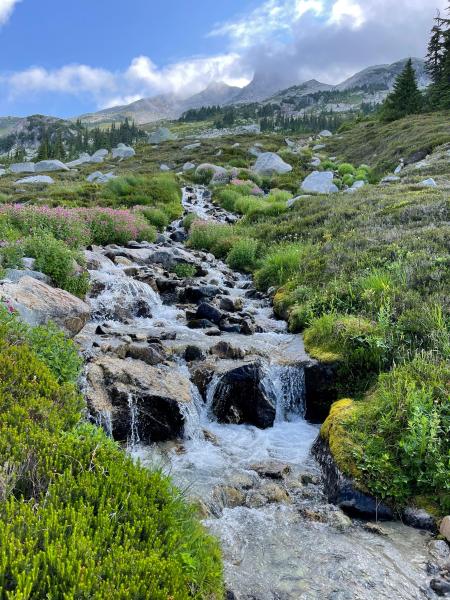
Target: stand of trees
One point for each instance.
(53, 144)
(304, 124)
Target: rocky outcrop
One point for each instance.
(35, 180)
(143, 401)
(46, 166)
(320, 182)
(37, 303)
(342, 491)
(239, 398)
(162, 134)
(99, 177)
(269, 163)
(123, 151)
(320, 390)
(25, 167)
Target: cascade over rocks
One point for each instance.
(116, 385)
(240, 399)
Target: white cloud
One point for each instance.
(347, 11)
(6, 9)
(272, 17)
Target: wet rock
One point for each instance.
(274, 493)
(444, 528)
(240, 399)
(200, 324)
(228, 496)
(271, 469)
(439, 550)
(320, 390)
(440, 586)
(37, 303)
(210, 437)
(226, 350)
(198, 293)
(418, 518)
(201, 376)
(214, 332)
(230, 304)
(210, 312)
(255, 499)
(342, 491)
(374, 528)
(193, 353)
(179, 236)
(151, 354)
(135, 393)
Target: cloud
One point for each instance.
(142, 78)
(6, 9)
(273, 17)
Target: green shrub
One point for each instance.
(279, 266)
(204, 235)
(359, 346)
(328, 165)
(281, 196)
(11, 255)
(348, 180)
(346, 169)
(402, 433)
(136, 190)
(227, 198)
(77, 517)
(156, 217)
(243, 255)
(184, 270)
(56, 260)
(203, 177)
(189, 219)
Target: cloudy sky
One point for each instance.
(65, 58)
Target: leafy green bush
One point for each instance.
(11, 255)
(204, 235)
(348, 179)
(184, 270)
(281, 196)
(59, 262)
(189, 219)
(243, 255)
(227, 198)
(156, 217)
(74, 506)
(359, 346)
(346, 169)
(203, 177)
(401, 434)
(279, 266)
(136, 190)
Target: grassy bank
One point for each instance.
(364, 276)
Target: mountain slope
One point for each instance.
(383, 76)
(217, 93)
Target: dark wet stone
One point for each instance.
(210, 312)
(200, 324)
(151, 354)
(193, 353)
(440, 586)
(419, 518)
(239, 398)
(196, 294)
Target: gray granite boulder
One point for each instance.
(269, 163)
(45, 166)
(320, 182)
(123, 151)
(24, 167)
(36, 180)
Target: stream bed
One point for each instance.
(259, 489)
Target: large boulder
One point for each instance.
(320, 182)
(342, 491)
(83, 159)
(218, 174)
(123, 151)
(99, 177)
(239, 398)
(36, 180)
(325, 133)
(269, 163)
(99, 156)
(37, 303)
(162, 134)
(45, 166)
(143, 402)
(25, 167)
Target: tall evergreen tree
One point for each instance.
(405, 99)
(438, 63)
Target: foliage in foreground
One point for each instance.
(77, 517)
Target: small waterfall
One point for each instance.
(211, 390)
(134, 438)
(286, 385)
(103, 419)
(121, 294)
(193, 415)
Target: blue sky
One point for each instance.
(66, 58)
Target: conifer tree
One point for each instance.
(405, 99)
(438, 63)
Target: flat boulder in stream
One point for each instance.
(239, 398)
(140, 400)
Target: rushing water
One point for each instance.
(298, 547)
